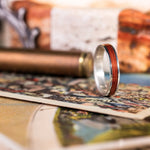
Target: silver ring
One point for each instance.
(106, 70)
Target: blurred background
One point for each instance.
(82, 25)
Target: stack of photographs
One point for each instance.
(85, 120)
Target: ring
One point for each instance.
(106, 70)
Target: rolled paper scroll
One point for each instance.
(79, 64)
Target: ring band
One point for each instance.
(106, 70)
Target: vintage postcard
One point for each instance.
(26, 125)
(68, 129)
(131, 100)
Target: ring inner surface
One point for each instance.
(102, 71)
